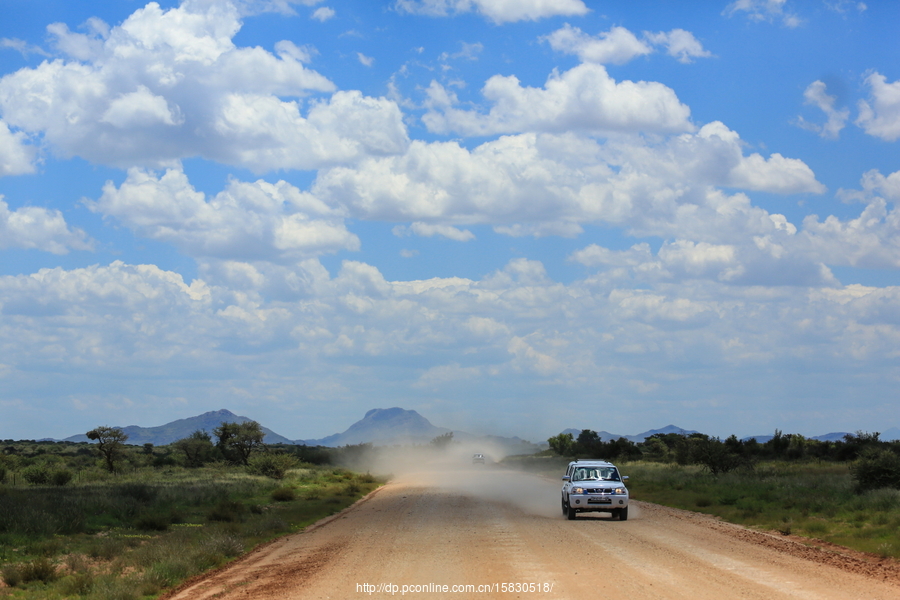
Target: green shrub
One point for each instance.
(272, 464)
(11, 574)
(153, 521)
(60, 477)
(106, 548)
(884, 499)
(228, 511)
(111, 587)
(223, 544)
(40, 569)
(78, 583)
(876, 469)
(36, 475)
(138, 491)
(47, 547)
(284, 494)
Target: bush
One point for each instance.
(79, 583)
(37, 475)
(876, 469)
(284, 494)
(60, 477)
(272, 464)
(11, 574)
(106, 548)
(227, 511)
(41, 569)
(153, 521)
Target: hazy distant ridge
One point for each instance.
(387, 426)
(638, 438)
(182, 428)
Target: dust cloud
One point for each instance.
(452, 469)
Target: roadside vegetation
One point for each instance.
(128, 522)
(845, 492)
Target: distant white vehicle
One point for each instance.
(594, 486)
(478, 458)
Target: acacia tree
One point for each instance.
(237, 441)
(197, 448)
(110, 444)
(562, 444)
(442, 441)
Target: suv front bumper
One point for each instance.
(597, 502)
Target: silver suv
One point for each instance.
(594, 486)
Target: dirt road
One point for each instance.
(489, 527)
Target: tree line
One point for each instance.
(240, 444)
(876, 463)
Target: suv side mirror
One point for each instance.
(566, 478)
(624, 477)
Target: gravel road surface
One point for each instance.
(502, 534)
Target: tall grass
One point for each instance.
(815, 500)
(127, 537)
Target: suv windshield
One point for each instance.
(595, 474)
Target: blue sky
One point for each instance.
(512, 217)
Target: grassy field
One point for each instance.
(810, 499)
(814, 500)
(130, 537)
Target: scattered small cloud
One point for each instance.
(764, 11)
(323, 14)
(680, 44)
(816, 95)
(498, 11)
(22, 47)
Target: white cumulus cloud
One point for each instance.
(248, 221)
(38, 228)
(584, 98)
(881, 117)
(616, 46)
(16, 155)
(170, 83)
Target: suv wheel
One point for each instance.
(565, 507)
(571, 514)
(623, 514)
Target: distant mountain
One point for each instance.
(176, 430)
(384, 426)
(831, 437)
(667, 429)
(891, 434)
(638, 438)
(604, 435)
(389, 426)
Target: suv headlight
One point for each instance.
(620, 490)
(578, 491)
